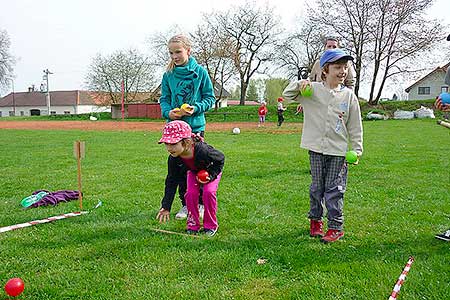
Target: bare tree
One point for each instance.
(386, 36)
(7, 61)
(401, 35)
(158, 44)
(106, 75)
(253, 32)
(298, 51)
(348, 20)
(212, 50)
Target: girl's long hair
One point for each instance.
(185, 43)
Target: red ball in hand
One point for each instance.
(203, 175)
(14, 287)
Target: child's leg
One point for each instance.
(317, 187)
(210, 202)
(335, 184)
(192, 194)
(182, 188)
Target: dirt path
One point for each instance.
(138, 126)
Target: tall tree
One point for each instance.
(106, 75)
(252, 91)
(212, 50)
(253, 32)
(274, 89)
(157, 42)
(7, 61)
(388, 36)
(401, 35)
(350, 21)
(299, 50)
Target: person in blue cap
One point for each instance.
(332, 122)
(333, 43)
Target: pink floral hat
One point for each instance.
(175, 131)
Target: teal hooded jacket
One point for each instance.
(188, 84)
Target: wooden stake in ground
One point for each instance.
(443, 123)
(173, 232)
(79, 153)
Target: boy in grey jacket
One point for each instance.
(332, 123)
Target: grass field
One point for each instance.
(397, 200)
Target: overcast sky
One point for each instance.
(63, 36)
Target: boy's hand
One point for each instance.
(303, 83)
(163, 215)
(357, 161)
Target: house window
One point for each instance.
(66, 112)
(0, 113)
(11, 113)
(444, 89)
(424, 90)
(53, 113)
(22, 113)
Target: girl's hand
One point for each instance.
(208, 179)
(163, 215)
(187, 110)
(175, 114)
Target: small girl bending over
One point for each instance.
(197, 156)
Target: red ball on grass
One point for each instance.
(14, 287)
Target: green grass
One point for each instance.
(397, 200)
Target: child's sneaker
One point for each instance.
(192, 232)
(201, 210)
(182, 214)
(209, 232)
(316, 228)
(332, 235)
(444, 236)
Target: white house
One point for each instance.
(33, 103)
(429, 86)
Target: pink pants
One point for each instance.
(209, 201)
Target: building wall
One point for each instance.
(59, 110)
(436, 84)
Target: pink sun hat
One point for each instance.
(175, 131)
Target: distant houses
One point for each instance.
(34, 103)
(138, 105)
(429, 86)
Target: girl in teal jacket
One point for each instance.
(185, 82)
(186, 94)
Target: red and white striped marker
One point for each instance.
(35, 222)
(401, 279)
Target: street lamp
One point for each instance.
(45, 77)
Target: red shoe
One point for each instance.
(315, 228)
(332, 235)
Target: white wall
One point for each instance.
(60, 110)
(435, 82)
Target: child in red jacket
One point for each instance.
(262, 112)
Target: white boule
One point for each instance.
(236, 130)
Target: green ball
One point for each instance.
(307, 91)
(351, 157)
